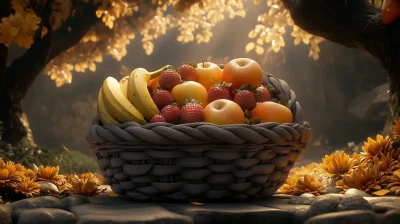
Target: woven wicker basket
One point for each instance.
(201, 161)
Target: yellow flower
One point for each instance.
(28, 187)
(9, 176)
(288, 187)
(50, 174)
(31, 174)
(372, 147)
(311, 184)
(304, 183)
(27, 172)
(85, 185)
(95, 177)
(396, 128)
(393, 183)
(337, 164)
(368, 179)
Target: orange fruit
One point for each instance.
(272, 112)
(153, 84)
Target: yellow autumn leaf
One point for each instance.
(381, 192)
(250, 46)
(397, 173)
(253, 34)
(260, 41)
(259, 50)
(297, 40)
(92, 67)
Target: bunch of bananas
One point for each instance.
(128, 99)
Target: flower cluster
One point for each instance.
(18, 182)
(375, 170)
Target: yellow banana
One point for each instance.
(124, 85)
(104, 115)
(138, 93)
(117, 104)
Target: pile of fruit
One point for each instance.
(200, 92)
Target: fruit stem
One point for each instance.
(158, 72)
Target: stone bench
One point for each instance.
(352, 207)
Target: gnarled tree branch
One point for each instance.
(356, 24)
(50, 46)
(22, 72)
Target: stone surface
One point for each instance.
(106, 200)
(280, 209)
(47, 188)
(5, 214)
(392, 217)
(301, 200)
(135, 213)
(353, 191)
(46, 215)
(74, 200)
(374, 200)
(299, 211)
(353, 202)
(323, 204)
(308, 195)
(39, 202)
(385, 206)
(231, 213)
(345, 217)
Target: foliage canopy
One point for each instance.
(120, 20)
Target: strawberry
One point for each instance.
(157, 118)
(219, 91)
(192, 112)
(171, 113)
(188, 72)
(162, 98)
(245, 97)
(169, 79)
(262, 94)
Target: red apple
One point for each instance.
(223, 111)
(209, 73)
(242, 71)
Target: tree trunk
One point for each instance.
(15, 123)
(356, 24)
(19, 76)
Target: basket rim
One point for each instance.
(164, 135)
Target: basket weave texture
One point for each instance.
(201, 161)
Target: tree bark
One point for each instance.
(22, 72)
(355, 24)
